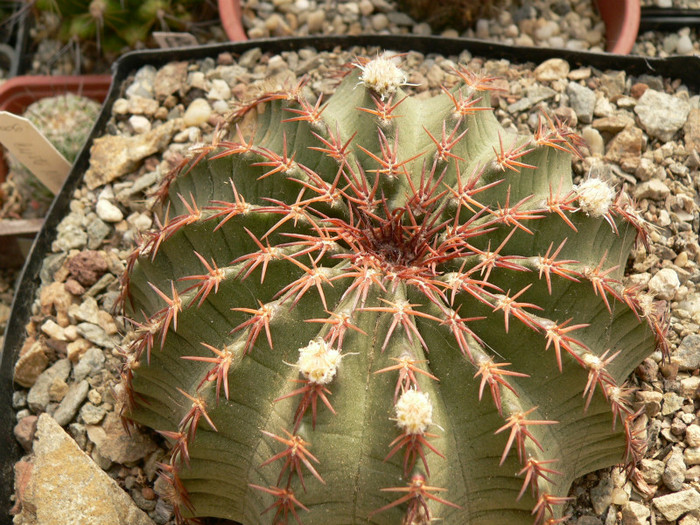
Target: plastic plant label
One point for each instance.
(33, 150)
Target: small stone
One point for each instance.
(692, 456)
(627, 143)
(647, 370)
(91, 414)
(651, 401)
(672, 402)
(96, 335)
(140, 124)
(87, 267)
(57, 390)
(115, 444)
(31, 363)
(379, 22)
(664, 284)
(219, 90)
(90, 363)
(594, 141)
(661, 114)
(601, 495)
(316, 20)
(674, 505)
(692, 435)
(76, 349)
(582, 100)
(552, 69)
(674, 473)
(652, 470)
(684, 45)
(197, 113)
(638, 89)
(690, 386)
(38, 397)
(652, 189)
(24, 431)
(691, 130)
(687, 355)
(53, 330)
(634, 513)
(68, 408)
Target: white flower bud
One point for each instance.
(595, 197)
(414, 412)
(382, 76)
(318, 363)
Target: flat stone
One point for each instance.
(87, 266)
(113, 156)
(66, 486)
(30, 364)
(96, 335)
(651, 189)
(38, 396)
(613, 123)
(674, 505)
(661, 114)
(70, 404)
(691, 456)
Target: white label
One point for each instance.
(34, 150)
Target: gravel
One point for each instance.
(639, 131)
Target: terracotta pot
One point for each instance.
(621, 19)
(230, 15)
(18, 93)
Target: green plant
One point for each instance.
(115, 24)
(332, 288)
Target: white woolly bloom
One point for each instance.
(414, 412)
(318, 362)
(595, 197)
(382, 76)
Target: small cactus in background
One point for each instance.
(378, 308)
(455, 14)
(115, 24)
(66, 121)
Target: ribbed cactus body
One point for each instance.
(381, 308)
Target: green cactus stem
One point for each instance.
(382, 309)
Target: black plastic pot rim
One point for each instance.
(685, 68)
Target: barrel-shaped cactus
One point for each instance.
(382, 309)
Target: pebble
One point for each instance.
(634, 513)
(673, 506)
(552, 69)
(674, 473)
(139, 124)
(582, 100)
(108, 212)
(653, 189)
(687, 356)
(661, 114)
(197, 113)
(70, 404)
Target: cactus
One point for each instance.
(66, 121)
(337, 287)
(114, 24)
